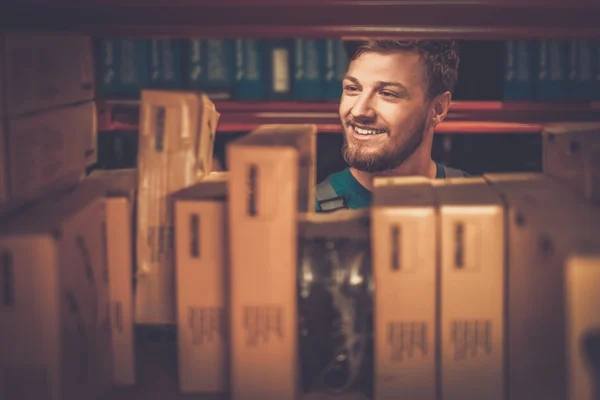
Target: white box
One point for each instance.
(472, 289)
(201, 255)
(545, 222)
(119, 187)
(176, 140)
(55, 310)
(262, 208)
(403, 228)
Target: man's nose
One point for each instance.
(363, 108)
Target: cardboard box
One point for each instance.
(472, 289)
(335, 301)
(176, 144)
(43, 71)
(262, 208)
(201, 265)
(571, 155)
(46, 152)
(545, 222)
(55, 321)
(582, 313)
(403, 228)
(303, 138)
(119, 187)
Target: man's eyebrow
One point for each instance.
(381, 84)
(353, 79)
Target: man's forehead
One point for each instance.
(402, 66)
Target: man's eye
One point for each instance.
(350, 88)
(385, 93)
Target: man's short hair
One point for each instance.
(440, 58)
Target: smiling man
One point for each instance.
(394, 95)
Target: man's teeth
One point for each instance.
(367, 131)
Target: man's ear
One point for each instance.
(440, 107)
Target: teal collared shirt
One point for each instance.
(356, 195)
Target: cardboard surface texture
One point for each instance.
(176, 144)
(201, 255)
(55, 311)
(571, 155)
(537, 249)
(472, 278)
(44, 71)
(404, 243)
(262, 208)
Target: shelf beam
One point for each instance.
(464, 117)
(475, 20)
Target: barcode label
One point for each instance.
(263, 324)
(407, 340)
(396, 237)
(252, 189)
(195, 236)
(159, 126)
(471, 338)
(207, 324)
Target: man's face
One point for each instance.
(383, 110)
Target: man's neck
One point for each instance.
(415, 165)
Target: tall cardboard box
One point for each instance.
(46, 152)
(571, 155)
(201, 255)
(55, 323)
(176, 142)
(302, 137)
(43, 71)
(119, 187)
(335, 302)
(403, 228)
(263, 202)
(582, 313)
(472, 290)
(545, 222)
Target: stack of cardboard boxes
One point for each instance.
(477, 286)
(48, 132)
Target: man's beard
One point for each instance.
(392, 155)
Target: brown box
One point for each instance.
(46, 152)
(546, 221)
(582, 313)
(262, 207)
(403, 228)
(304, 139)
(201, 264)
(472, 287)
(176, 143)
(55, 310)
(571, 155)
(119, 187)
(43, 71)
